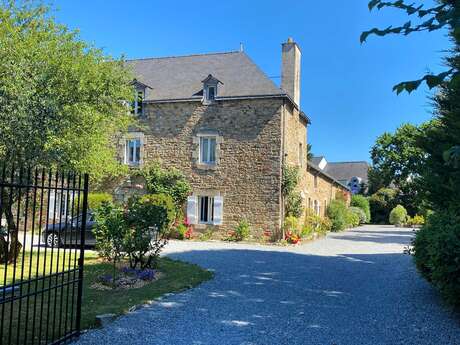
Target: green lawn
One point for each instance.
(56, 303)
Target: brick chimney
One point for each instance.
(290, 69)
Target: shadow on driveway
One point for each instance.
(281, 297)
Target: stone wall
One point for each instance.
(323, 191)
(295, 147)
(248, 170)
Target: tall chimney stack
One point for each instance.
(290, 69)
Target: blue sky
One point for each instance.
(346, 86)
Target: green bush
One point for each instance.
(363, 203)
(352, 219)
(291, 223)
(316, 224)
(398, 215)
(171, 182)
(437, 253)
(337, 213)
(110, 231)
(95, 200)
(360, 213)
(241, 232)
(150, 218)
(381, 204)
(415, 220)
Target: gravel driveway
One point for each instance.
(350, 288)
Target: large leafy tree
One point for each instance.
(60, 99)
(397, 162)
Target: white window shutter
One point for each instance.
(218, 210)
(192, 209)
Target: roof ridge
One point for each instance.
(182, 56)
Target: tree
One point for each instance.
(167, 181)
(60, 100)
(446, 14)
(397, 161)
(310, 154)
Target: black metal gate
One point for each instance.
(42, 238)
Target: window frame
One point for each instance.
(136, 149)
(209, 211)
(209, 139)
(137, 106)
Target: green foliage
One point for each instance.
(241, 232)
(111, 230)
(150, 218)
(437, 253)
(427, 19)
(398, 215)
(352, 218)
(293, 205)
(416, 220)
(363, 203)
(291, 224)
(337, 212)
(397, 161)
(178, 232)
(167, 181)
(290, 179)
(310, 154)
(292, 198)
(95, 200)
(60, 97)
(362, 219)
(381, 203)
(316, 224)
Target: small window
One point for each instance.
(137, 104)
(211, 93)
(315, 181)
(133, 152)
(206, 209)
(208, 150)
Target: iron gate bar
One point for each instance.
(42, 201)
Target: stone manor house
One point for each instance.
(221, 121)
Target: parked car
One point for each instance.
(69, 232)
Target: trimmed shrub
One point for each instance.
(110, 232)
(95, 200)
(381, 204)
(398, 215)
(150, 218)
(352, 219)
(363, 203)
(360, 213)
(337, 213)
(437, 254)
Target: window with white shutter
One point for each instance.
(218, 210)
(191, 209)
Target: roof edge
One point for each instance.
(317, 169)
(183, 56)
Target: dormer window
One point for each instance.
(137, 105)
(211, 93)
(210, 89)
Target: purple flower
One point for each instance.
(146, 274)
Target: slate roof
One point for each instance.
(180, 78)
(314, 166)
(316, 160)
(344, 171)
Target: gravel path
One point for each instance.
(350, 288)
